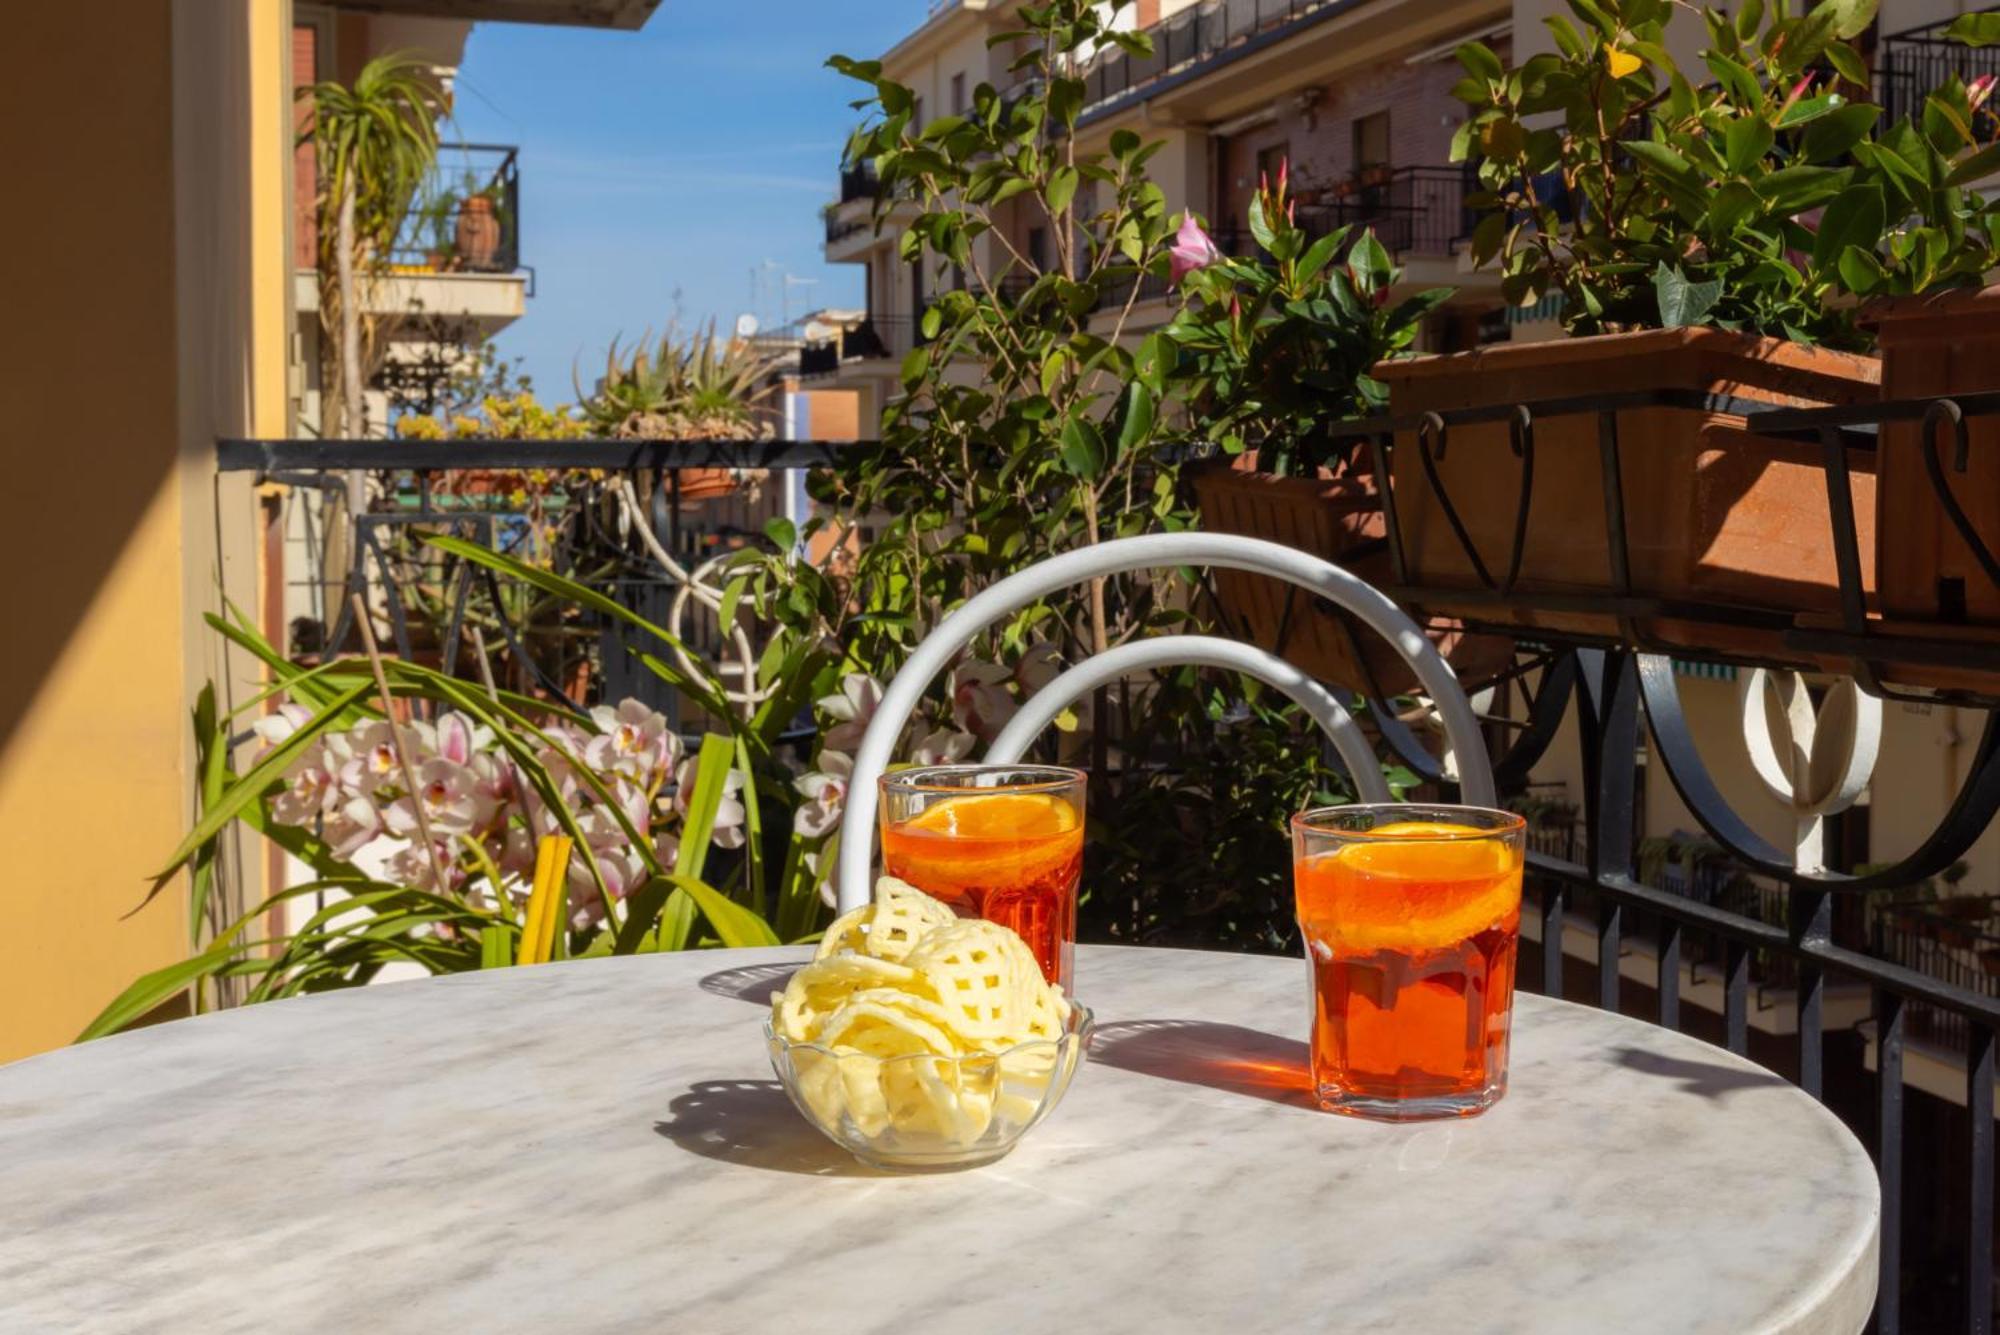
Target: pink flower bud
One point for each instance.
(1191, 250)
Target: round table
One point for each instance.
(600, 1146)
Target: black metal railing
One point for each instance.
(467, 215)
(1956, 939)
(1917, 60)
(859, 182)
(840, 226)
(819, 359)
(1199, 37)
(875, 338)
(1412, 211)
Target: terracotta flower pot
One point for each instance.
(1713, 512)
(1341, 520)
(478, 232)
(701, 484)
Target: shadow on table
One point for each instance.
(1220, 1056)
(752, 982)
(753, 1123)
(1711, 1080)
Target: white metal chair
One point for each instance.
(1475, 773)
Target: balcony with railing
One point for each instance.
(1412, 210)
(877, 338)
(467, 216)
(1200, 37)
(1916, 60)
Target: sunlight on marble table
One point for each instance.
(600, 1146)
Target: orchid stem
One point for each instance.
(396, 741)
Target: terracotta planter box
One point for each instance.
(1714, 513)
(1937, 345)
(1339, 519)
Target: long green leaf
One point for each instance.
(712, 764)
(735, 925)
(155, 989)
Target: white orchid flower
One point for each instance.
(852, 710)
(452, 802)
(276, 727)
(981, 704)
(729, 814)
(633, 740)
(943, 747)
(825, 791)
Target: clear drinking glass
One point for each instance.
(999, 842)
(1411, 916)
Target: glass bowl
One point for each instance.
(924, 1111)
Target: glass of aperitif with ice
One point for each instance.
(1411, 916)
(999, 842)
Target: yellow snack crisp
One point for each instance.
(906, 981)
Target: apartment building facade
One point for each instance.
(1354, 98)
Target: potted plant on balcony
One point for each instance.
(437, 225)
(477, 232)
(1697, 227)
(692, 388)
(1276, 355)
(1943, 343)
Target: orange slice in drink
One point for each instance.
(983, 839)
(999, 815)
(1414, 886)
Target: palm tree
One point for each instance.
(375, 144)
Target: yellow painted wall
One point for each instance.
(115, 537)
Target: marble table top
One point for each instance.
(600, 1146)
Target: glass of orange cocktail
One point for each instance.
(999, 842)
(1410, 916)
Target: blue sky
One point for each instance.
(677, 158)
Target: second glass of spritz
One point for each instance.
(1411, 916)
(999, 842)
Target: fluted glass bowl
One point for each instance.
(923, 1111)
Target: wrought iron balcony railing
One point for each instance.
(467, 216)
(859, 182)
(1199, 37)
(1413, 211)
(1915, 61)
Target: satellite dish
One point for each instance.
(746, 325)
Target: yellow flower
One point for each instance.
(1622, 63)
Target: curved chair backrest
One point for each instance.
(1329, 581)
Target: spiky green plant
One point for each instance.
(680, 388)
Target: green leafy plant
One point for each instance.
(1751, 194)
(1273, 356)
(477, 793)
(375, 142)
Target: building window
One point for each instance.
(1270, 160)
(916, 113)
(1038, 248)
(958, 94)
(1371, 141)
